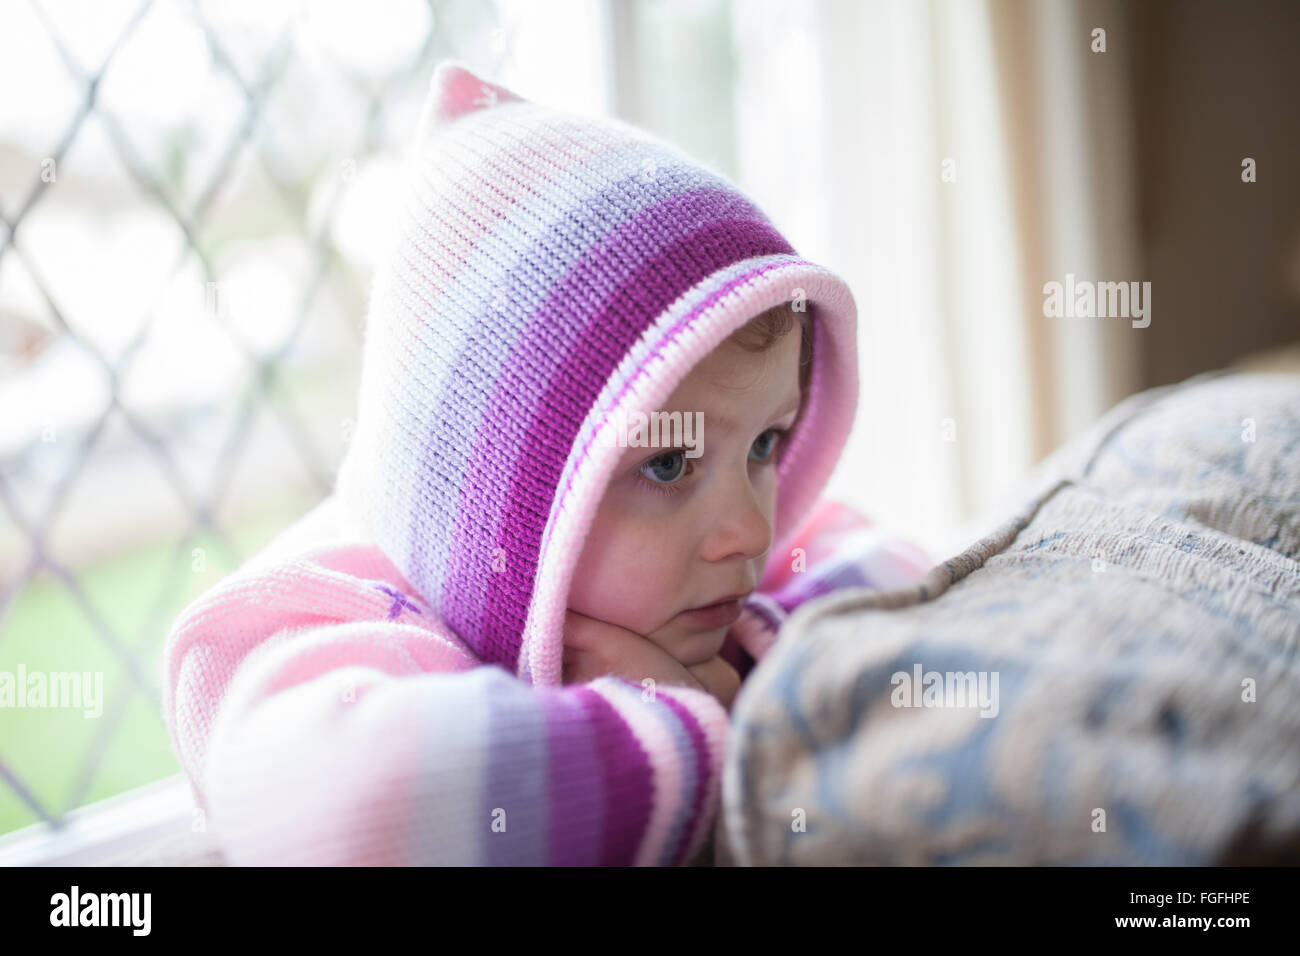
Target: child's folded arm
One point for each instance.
(376, 765)
(834, 548)
(359, 742)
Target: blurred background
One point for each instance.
(192, 195)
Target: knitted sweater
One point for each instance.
(382, 684)
(324, 714)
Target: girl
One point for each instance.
(512, 635)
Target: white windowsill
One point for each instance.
(149, 826)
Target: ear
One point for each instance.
(456, 90)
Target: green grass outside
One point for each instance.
(47, 630)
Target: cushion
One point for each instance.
(1108, 677)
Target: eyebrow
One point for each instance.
(726, 424)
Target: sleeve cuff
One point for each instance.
(684, 733)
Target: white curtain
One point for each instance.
(948, 159)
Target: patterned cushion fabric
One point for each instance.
(1110, 677)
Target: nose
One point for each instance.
(738, 525)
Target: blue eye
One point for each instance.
(765, 448)
(666, 469)
(665, 473)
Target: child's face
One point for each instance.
(674, 533)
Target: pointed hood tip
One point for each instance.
(456, 90)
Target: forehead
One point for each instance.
(731, 376)
(736, 389)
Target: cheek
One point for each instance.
(628, 572)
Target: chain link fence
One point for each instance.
(187, 210)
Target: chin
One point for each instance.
(696, 647)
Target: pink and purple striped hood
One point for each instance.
(550, 273)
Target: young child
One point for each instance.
(514, 632)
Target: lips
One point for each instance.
(722, 613)
(728, 599)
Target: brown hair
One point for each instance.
(761, 332)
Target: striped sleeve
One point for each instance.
(366, 765)
(361, 742)
(834, 548)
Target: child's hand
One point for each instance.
(719, 678)
(595, 648)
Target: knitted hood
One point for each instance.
(550, 274)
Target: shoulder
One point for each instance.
(310, 578)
